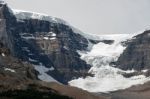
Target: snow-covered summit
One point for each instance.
(20, 14)
(2, 2)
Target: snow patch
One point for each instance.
(28, 37)
(32, 60)
(43, 73)
(65, 47)
(52, 68)
(52, 34)
(144, 71)
(49, 38)
(8, 69)
(45, 38)
(3, 54)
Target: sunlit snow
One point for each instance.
(9, 69)
(3, 54)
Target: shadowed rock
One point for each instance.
(137, 54)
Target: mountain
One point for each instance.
(45, 42)
(40, 53)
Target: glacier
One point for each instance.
(107, 78)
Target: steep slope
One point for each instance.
(48, 43)
(137, 54)
(14, 72)
(29, 44)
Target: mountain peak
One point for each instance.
(2, 2)
(21, 14)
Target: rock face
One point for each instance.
(14, 72)
(50, 44)
(25, 44)
(137, 54)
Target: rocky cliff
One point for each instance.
(42, 42)
(137, 54)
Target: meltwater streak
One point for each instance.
(106, 78)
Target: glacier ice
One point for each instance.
(106, 78)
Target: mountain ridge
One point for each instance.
(33, 49)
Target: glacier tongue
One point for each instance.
(106, 78)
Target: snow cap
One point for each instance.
(2, 2)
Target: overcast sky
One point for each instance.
(93, 16)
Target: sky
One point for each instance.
(93, 16)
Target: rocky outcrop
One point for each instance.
(14, 72)
(18, 80)
(137, 54)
